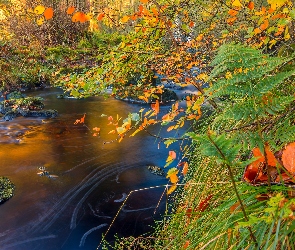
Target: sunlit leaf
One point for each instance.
(144, 1)
(39, 9)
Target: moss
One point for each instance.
(6, 189)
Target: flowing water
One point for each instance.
(72, 211)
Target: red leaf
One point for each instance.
(204, 203)
(172, 154)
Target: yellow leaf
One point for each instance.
(125, 19)
(171, 189)
(173, 178)
(287, 34)
(237, 3)
(39, 9)
(40, 20)
(276, 3)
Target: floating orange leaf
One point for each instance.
(70, 10)
(48, 13)
(288, 157)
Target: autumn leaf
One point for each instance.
(39, 9)
(172, 175)
(232, 12)
(250, 5)
(172, 154)
(156, 107)
(70, 10)
(186, 244)
(185, 168)
(79, 17)
(144, 1)
(288, 157)
(171, 189)
(40, 20)
(237, 4)
(100, 16)
(264, 25)
(276, 3)
(48, 13)
(125, 19)
(204, 203)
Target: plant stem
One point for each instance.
(235, 188)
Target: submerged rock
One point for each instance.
(6, 189)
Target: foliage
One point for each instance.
(239, 58)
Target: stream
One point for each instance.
(91, 179)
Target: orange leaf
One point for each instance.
(232, 12)
(100, 16)
(271, 159)
(185, 168)
(48, 13)
(288, 157)
(112, 132)
(191, 24)
(186, 244)
(231, 20)
(154, 10)
(173, 178)
(125, 19)
(171, 189)
(144, 1)
(172, 154)
(264, 25)
(70, 10)
(79, 17)
(140, 7)
(170, 128)
(250, 5)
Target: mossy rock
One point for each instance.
(6, 189)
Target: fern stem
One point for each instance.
(231, 175)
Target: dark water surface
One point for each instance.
(74, 209)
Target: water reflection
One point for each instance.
(72, 210)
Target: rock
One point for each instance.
(6, 189)
(156, 170)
